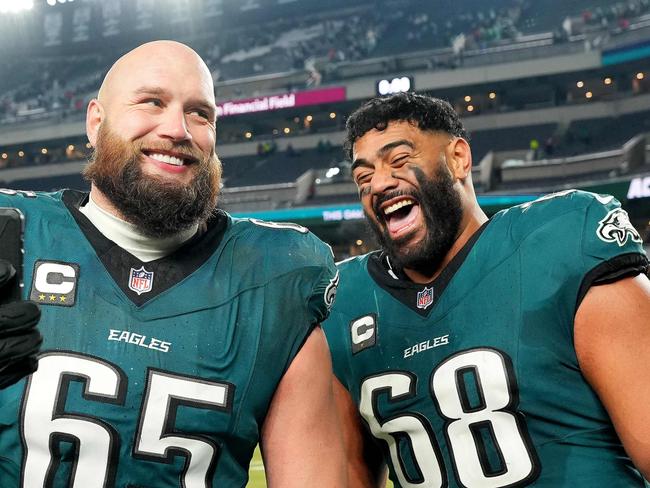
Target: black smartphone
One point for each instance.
(12, 226)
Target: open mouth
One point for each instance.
(401, 216)
(173, 159)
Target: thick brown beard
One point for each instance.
(157, 206)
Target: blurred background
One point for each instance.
(555, 93)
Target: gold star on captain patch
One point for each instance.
(41, 297)
(52, 298)
(62, 298)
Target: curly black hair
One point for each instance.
(427, 113)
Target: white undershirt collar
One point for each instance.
(129, 238)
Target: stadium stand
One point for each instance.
(281, 167)
(602, 133)
(322, 45)
(572, 77)
(508, 139)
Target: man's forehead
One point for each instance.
(168, 85)
(151, 67)
(375, 139)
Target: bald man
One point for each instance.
(175, 336)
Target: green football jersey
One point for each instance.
(472, 380)
(155, 374)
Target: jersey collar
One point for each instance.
(421, 298)
(164, 272)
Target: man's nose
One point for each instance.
(383, 180)
(174, 125)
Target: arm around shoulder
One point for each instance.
(301, 437)
(612, 343)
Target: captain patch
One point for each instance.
(54, 283)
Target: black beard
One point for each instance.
(158, 208)
(441, 207)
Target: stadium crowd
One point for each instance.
(314, 45)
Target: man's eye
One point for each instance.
(156, 102)
(201, 113)
(362, 178)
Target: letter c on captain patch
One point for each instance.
(363, 332)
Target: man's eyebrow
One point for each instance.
(359, 162)
(392, 145)
(382, 151)
(149, 90)
(157, 91)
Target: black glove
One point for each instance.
(20, 340)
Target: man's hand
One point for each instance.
(20, 341)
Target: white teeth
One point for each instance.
(396, 206)
(165, 158)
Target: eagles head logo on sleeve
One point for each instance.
(330, 291)
(616, 227)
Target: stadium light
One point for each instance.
(589, 94)
(470, 108)
(248, 135)
(492, 95)
(14, 6)
(332, 172)
(607, 81)
(5, 155)
(21, 154)
(468, 98)
(580, 84)
(52, 3)
(640, 76)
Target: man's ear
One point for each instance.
(94, 118)
(460, 157)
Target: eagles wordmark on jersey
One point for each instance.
(472, 380)
(155, 374)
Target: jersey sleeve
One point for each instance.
(337, 326)
(611, 248)
(292, 279)
(296, 266)
(315, 268)
(322, 297)
(308, 289)
(573, 240)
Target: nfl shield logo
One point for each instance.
(425, 298)
(140, 280)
